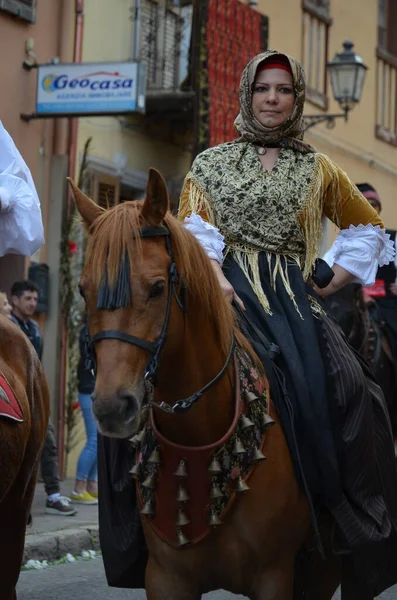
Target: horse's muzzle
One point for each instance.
(117, 416)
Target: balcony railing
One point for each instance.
(386, 100)
(162, 33)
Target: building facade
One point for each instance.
(36, 32)
(124, 148)
(313, 31)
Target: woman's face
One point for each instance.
(273, 97)
(6, 308)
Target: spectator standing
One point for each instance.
(24, 295)
(86, 487)
(5, 306)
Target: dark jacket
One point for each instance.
(32, 331)
(388, 273)
(85, 374)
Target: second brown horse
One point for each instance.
(23, 425)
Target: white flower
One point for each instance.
(70, 558)
(85, 554)
(92, 553)
(36, 564)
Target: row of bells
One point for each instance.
(181, 472)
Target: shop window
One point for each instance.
(316, 24)
(386, 72)
(22, 9)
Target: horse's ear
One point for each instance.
(86, 207)
(156, 202)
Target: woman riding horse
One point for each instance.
(256, 205)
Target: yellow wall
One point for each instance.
(108, 36)
(353, 145)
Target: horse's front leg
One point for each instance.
(276, 583)
(163, 585)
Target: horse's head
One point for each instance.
(125, 284)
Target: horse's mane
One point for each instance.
(110, 247)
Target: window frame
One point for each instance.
(386, 84)
(316, 97)
(20, 9)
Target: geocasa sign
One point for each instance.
(95, 88)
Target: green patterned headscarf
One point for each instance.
(290, 133)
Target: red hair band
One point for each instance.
(275, 63)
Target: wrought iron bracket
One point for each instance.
(313, 120)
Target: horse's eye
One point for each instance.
(157, 289)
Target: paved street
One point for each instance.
(79, 581)
(82, 580)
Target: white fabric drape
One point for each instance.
(21, 225)
(361, 250)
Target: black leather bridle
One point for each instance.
(155, 348)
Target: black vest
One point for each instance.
(388, 273)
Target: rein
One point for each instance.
(155, 348)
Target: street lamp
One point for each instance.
(347, 72)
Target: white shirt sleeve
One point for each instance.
(209, 236)
(361, 250)
(21, 225)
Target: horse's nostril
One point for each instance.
(131, 407)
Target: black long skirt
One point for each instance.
(336, 424)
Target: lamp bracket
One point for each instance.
(313, 120)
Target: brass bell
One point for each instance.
(214, 520)
(250, 396)
(182, 539)
(148, 509)
(258, 455)
(150, 482)
(215, 466)
(238, 447)
(241, 486)
(182, 518)
(181, 470)
(135, 471)
(155, 457)
(141, 436)
(182, 495)
(144, 413)
(245, 422)
(215, 492)
(268, 421)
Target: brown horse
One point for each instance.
(24, 412)
(135, 310)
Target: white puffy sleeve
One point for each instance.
(360, 250)
(21, 225)
(208, 235)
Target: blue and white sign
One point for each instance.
(103, 88)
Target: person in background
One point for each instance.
(24, 295)
(384, 291)
(86, 487)
(5, 306)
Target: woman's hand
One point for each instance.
(341, 278)
(226, 286)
